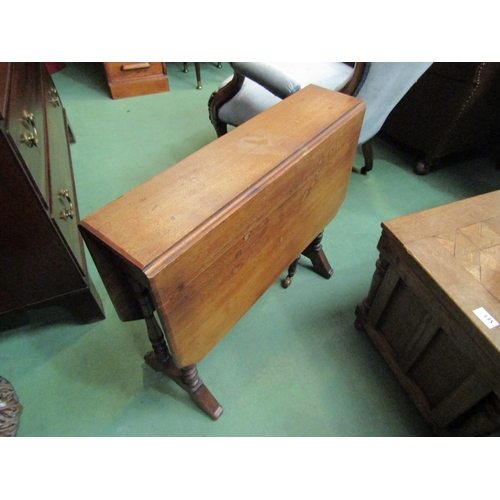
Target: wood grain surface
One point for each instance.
(212, 233)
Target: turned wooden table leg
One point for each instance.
(320, 263)
(291, 273)
(187, 378)
(199, 392)
(160, 360)
(155, 333)
(315, 253)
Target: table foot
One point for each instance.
(187, 378)
(291, 273)
(160, 360)
(315, 253)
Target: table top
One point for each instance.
(458, 245)
(192, 196)
(212, 233)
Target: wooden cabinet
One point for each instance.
(433, 311)
(42, 261)
(129, 79)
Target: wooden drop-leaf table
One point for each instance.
(203, 240)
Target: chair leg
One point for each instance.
(368, 157)
(424, 166)
(219, 98)
(198, 75)
(197, 68)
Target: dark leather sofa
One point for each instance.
(453, 108)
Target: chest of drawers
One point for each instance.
(42, 261)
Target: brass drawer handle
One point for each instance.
(29, 118)
(65, 214)
(31, 138)
(130, 67)
(54, 97)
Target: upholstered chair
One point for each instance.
(255, 87)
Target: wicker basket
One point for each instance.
(10, 409)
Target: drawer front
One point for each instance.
(118, 71)
(26, 122)
(63, 207)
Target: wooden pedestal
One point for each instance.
(433, 311)
(202, 241)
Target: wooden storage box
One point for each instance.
(433, 312)
(129, 79)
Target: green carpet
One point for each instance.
(293, 366)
